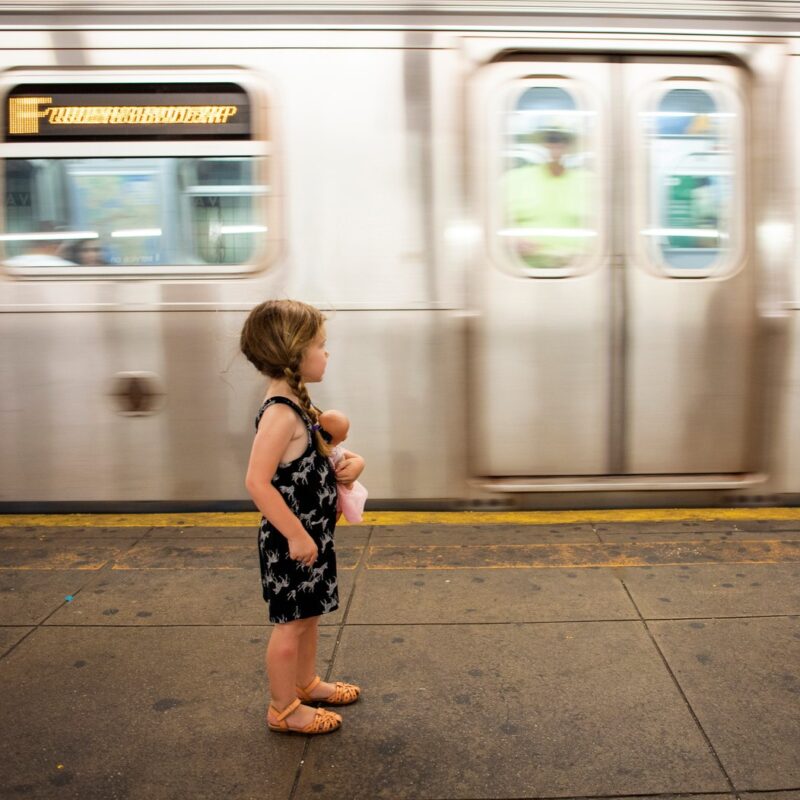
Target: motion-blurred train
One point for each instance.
(628, 335)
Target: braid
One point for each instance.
(297, 385)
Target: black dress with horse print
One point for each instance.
(308, 485)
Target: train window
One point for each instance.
(546, 211)
(691, 193)
(131, 212)
(136, 178)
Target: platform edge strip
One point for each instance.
(399, 518)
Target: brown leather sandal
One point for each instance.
(343, 694)
(323, 722)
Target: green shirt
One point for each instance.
(535, 198)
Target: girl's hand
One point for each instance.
(303, 549)
(349, 468)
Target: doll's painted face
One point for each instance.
(336, 424)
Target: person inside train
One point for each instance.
(86, 253)
(42, 250)
(546, 202)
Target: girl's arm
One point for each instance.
(349, 468)
(274, 434)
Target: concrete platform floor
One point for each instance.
(512, 657)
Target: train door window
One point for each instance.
(546, 210)
(138, 179)
(694, 206)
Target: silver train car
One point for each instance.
(556, 243)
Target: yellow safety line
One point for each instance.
(245, 519)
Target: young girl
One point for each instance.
(292, 483)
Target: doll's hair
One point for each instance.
(274, 339)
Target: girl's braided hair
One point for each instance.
(275, 336)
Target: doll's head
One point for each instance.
(335, 424)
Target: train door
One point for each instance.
(616, 311)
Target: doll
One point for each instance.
(351, 498)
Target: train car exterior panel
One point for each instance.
(381, 150)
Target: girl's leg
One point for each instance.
(282, 659)
(307, 662)
(307, 653)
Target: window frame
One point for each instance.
(650, 256)
(260, 147)
(503, 102)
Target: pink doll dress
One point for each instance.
(350, 499)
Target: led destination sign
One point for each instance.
(24, 114)
(136, 111)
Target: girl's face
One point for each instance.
(315, 359)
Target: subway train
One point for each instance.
(555, 244)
